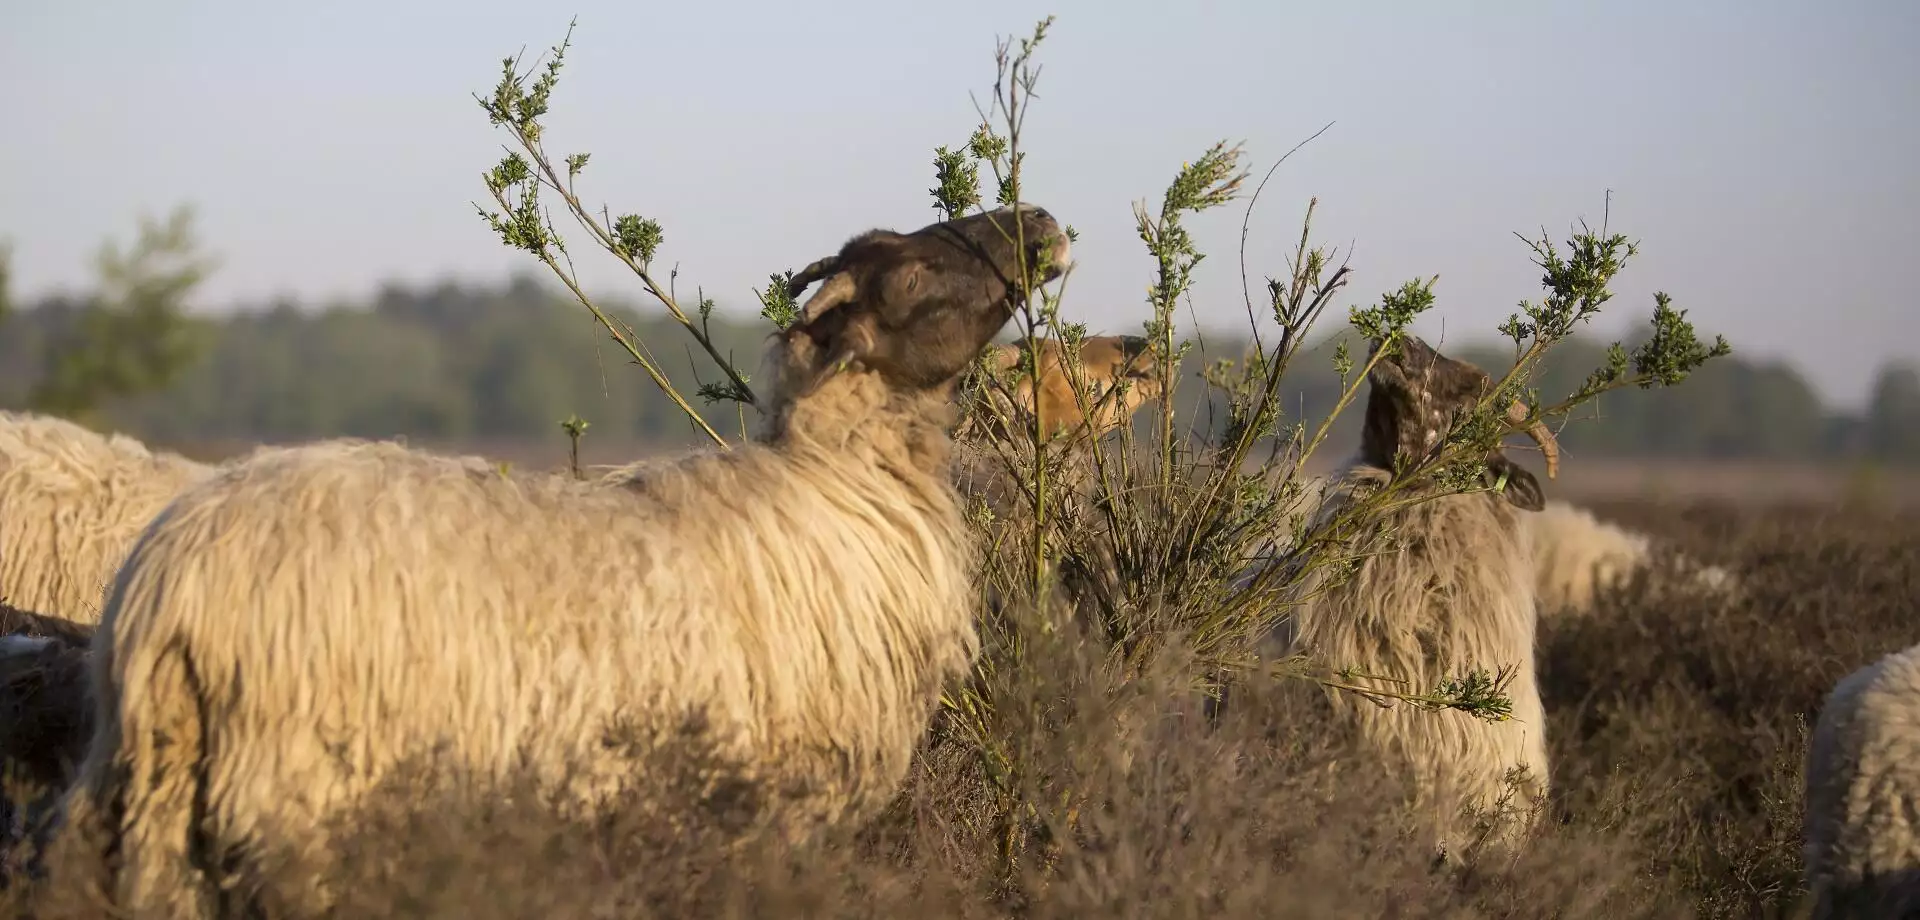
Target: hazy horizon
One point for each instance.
(1763, 152)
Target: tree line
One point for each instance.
(508, 362)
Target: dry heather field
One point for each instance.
(1677, 729)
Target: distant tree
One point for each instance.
(6, 282)
(132, 336)
(1893, 416)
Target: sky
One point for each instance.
(1764, 153)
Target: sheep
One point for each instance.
(1862, 825)
(984, 442)
(71, 503)
(1456, 594)
(1577, 557)
(308, 618)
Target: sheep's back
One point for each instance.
(71, 503)
(1577, 555)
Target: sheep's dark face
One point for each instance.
(917, 308)
(1416, 395)
(45, 706)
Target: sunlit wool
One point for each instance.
(72, 501)
(1452, 590)
(1863, 793)
(290, 631)
(1577, 557)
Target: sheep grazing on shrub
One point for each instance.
(1455, 594)
(301, 623)
(1863, 794)
(1119, 377)
(71, 503)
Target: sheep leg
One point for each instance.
(139, 812)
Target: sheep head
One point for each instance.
(916, 308)
(1108, 361)
(1417, 393)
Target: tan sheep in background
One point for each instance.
(306, 619)
(1577, 557)
(1452, 591)
(1108, 361)
(71, 503)
(1863, 794)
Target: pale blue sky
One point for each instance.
(1764, 152)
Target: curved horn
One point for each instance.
(812, 273)
(1541, 435)
(836, 291)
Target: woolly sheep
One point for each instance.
(1577, 557)
(311, 616)
(1457, 594)
(1863, 794)
(71, 503)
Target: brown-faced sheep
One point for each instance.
(1577, 557)
(1451, 591)
(286, 633)
(71, 503)
(1863, 794)
(1120, 375)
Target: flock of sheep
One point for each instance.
(206, 658)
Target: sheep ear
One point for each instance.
(1522, 489)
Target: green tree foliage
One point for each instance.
(1893, 417)
(130, 336)
(506, 363)
(6, 282)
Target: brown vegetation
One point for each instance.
(1677, 729)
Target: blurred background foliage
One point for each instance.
(460, 362)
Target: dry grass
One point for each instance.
(1677, 731)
